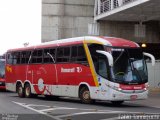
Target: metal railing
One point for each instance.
(103, 6)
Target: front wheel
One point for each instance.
(85, 95)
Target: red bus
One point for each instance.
(89, 68)
(2, 74)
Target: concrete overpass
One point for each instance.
(140, 19)
(127, 10)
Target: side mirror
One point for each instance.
(150, 56)
(108, 55)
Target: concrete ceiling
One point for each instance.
(144, 12)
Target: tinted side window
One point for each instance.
(46, 55)
(63, 54)
(81, 51)
(78, 54)
(67, 51)
(34, 57)
(25, 55)
(9, 58)
(16, 58)
(37, 56)
(74, 51)
(28, 54)
(2, 68)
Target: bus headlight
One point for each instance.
(119, 89)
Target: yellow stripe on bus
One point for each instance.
(93, 41)
(91, 64)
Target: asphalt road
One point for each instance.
(40, 108)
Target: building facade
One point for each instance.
(136, 20)
(66, 18)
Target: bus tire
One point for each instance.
(85, 95)
(27, 91)
(20, 90)
(116, 103)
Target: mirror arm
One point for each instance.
(108, 55)
(150, 56)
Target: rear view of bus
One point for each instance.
(2, 74)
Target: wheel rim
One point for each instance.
(20, 91)
(86, 95)
(27, 91)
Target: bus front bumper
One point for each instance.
(129, 96)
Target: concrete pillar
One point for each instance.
(99, 6)
(66, 18)
(52, 12)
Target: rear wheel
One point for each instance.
(27, 91)
(20, 91)
(85, 95)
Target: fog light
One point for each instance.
(119, 89)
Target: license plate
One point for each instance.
(133, 97)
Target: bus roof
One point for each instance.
(108, 41)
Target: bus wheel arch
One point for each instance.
(20, 89)
(84, 94)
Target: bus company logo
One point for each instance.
(67, 70)
(9, 69)
(79, 69)
(71, 70)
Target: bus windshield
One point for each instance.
(129, 66)
(2, 68)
